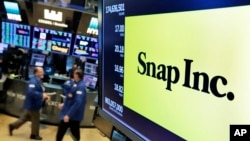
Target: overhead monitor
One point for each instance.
(12, 10)
(16, 34)
(51, 40)
(176, 70)
(85, 46)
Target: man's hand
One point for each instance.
(70, 95)
(60, 106)
(47, 99)
(66, 119)
(45, 96)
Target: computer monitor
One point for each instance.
(90, 68)
(37, 60)
(31, 71)
(49, 70)
(3, 47)
(90, 81)
(118, 136)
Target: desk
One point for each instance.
(61, 78)
(50, 113)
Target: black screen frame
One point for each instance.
(131, 135)
(190, 5)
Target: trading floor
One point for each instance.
(48, 132)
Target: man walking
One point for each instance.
(72, 111)
(33, 102)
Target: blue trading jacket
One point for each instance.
(67, 86)
(74, 106)
(34, 95)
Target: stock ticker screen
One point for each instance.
(16, 34)
(153, 55)
(85, 46)
(51, 40)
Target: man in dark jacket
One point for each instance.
(72, 110)
(33, 102)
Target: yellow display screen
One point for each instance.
(189, 72)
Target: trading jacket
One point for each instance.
(34, 95)
(74, 106)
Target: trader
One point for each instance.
(73, 108)
(34, 100)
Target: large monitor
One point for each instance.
(176, 70)
(16, 34)
(12, 10)
(85, 46)
(51, 40)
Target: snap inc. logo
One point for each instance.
(171, 75)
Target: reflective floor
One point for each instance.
(48, 132)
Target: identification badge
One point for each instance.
(32, 85)
(79, 92)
